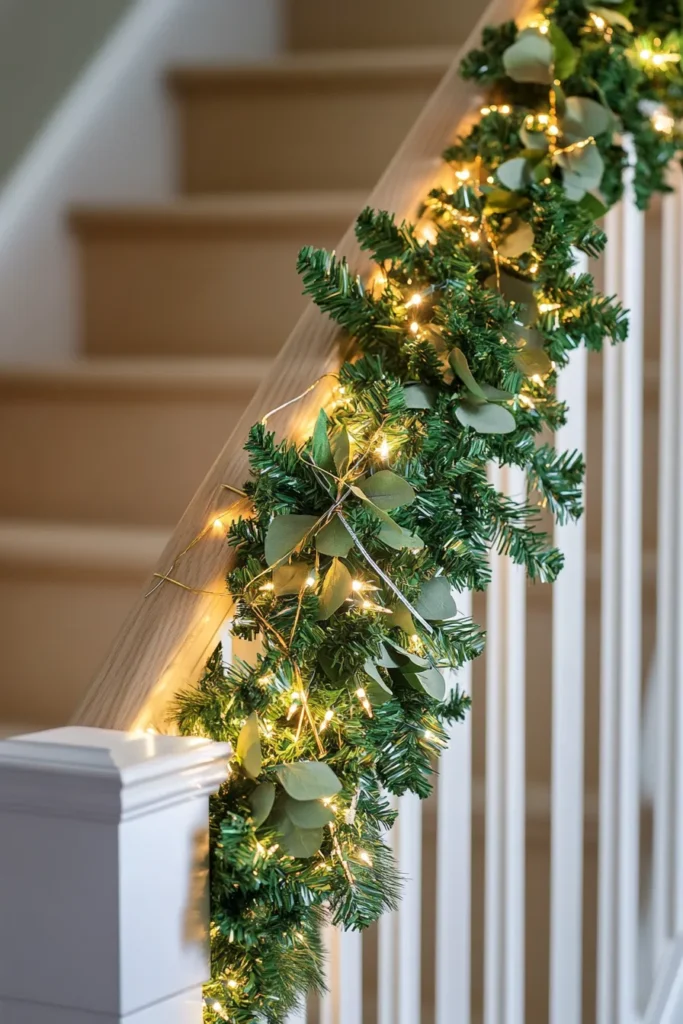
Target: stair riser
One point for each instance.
(312, 25)
(279, 136)
(129, 458)
(189, 293)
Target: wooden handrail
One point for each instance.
(166, 638)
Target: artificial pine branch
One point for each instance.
(345, 568)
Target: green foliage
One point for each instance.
(358, 538)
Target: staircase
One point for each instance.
(177, 329)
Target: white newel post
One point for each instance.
(103, 876)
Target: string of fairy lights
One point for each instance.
(414, 310)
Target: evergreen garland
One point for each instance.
(359, 536)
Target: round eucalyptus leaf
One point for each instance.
(566, 57)
(377, 695)
(371, 670)
(308, 813)
(320, 444)
(337, 586)
(401, 617)
(514, 174)
(396, 537)
(581, 168)
(486, 418)
(334, 539)
(418, 396)
(249, 746)
(387, 490)
(290, 578)
(417, 663)
(299, 842)
(533, 361)
(496, 394)
(584, 118)
(261, 801)
(431, 681)
(530, 59)
(308, 780)
(534, 140)
(519, 292)
(284, 534)
(435, 602)
(518, 241)
(460, 366)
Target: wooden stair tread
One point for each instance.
(320, 68)
(221, 376)
(263, 209)
(50, 546)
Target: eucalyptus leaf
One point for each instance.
(389, 657)
(308, 780)
(249, 746)
(519, 292)
(341, 450)
(584, 118)
(387, 490)
(460, 366)
(435, 602)
(594, 205)
(566, 57)
(308, 814)
(398, 538)
(533, 362)
(518, 241)
(377, 695)
(284, 534)
(335, 589)
(514, 174)
(582, 169)
(401, 617)
(334, 539)
(320, 446)
(418, 396)
(430, 681)
(371, 670)
(530, 59)
(500, 200)
(486, 418)
(290, 578)
(418, 663)
(496, 394)
(261, 801)
(299, 842)
(534, 140)
(611, 17)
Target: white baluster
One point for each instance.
(350, 977)
(454, 856)
(505, 781)
(622, 623)
(669, 482)
(677, 682)
(409, 915)
(386, 951)
(515, 775)
(609, 647)
(493, 883)
(630, 668)
(566, 885)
